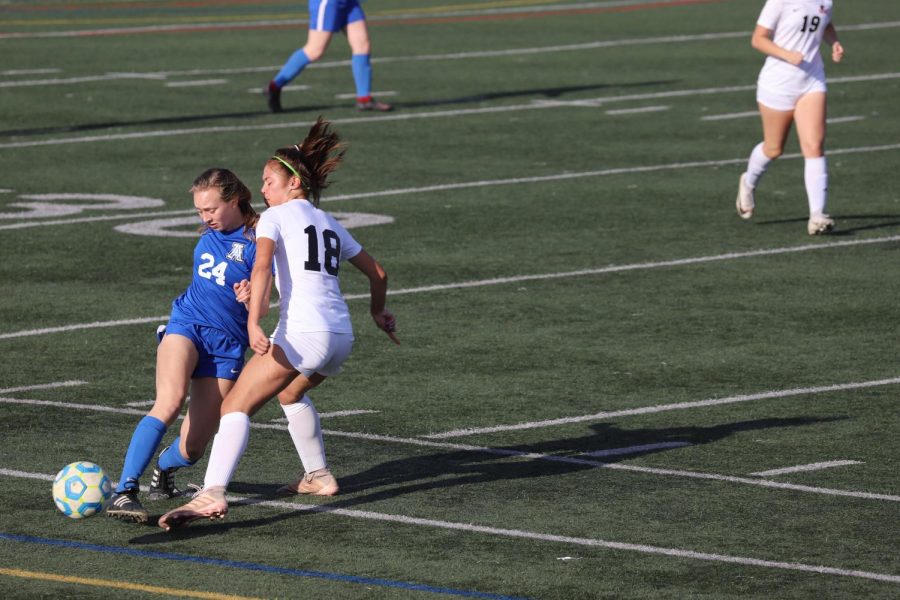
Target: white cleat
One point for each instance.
(209, 503)
(744, 203)
(819, 224)
(317, 483)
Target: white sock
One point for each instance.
(815, 174)
(227, 449)
(303, 425)
(756, 165)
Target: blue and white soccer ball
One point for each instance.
(80, 489)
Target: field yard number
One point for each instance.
(217, 271)
(39, 206)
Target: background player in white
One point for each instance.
(314, 335)
(791, 88)
(204, 344)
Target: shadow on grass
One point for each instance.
(445, 470)
(550, 92)
(883, 222)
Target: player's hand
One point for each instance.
(242, 291)
(837, 52)
(259, 341)
(794, 57)
(386, 322)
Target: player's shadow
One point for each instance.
(550, 93)
(874, 222)
(447, 470)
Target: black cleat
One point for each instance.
(273, 96)
(125, 506)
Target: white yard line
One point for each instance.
(849, 119)
(196, 83)
(408, 116)
(42, 386)
(642, 109)
(461, 185)
(810, 467)
(658, 408)
(637, 449)
(680, 553)
(508, 453)
(505, 280)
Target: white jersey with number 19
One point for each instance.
(798, 26)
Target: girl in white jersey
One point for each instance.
(791, 89)
(314, 335)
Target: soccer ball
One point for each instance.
(80, 489)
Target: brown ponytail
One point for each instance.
(313, 159)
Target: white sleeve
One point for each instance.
(269, 227)
(770, 14)
(349, 246)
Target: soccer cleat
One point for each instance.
(209, 503)
(372, 104)
(317, 483)
(744, 203)
(162, 485)
(273, 96)
(125, 506)
(819, 224)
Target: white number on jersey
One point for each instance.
(217, 271)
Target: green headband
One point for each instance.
(290, 168)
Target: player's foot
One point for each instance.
(317, 483)
(125, 506)
(162, 485)
(744, 203)
(372, 104)
(819, 224)
(273, 96)
(209, 504)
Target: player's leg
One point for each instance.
(810, 120)
(263, 377)
(306, 433)
(361, 64)
(176, 357)
(776, 124)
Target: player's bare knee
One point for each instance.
(772, 152)
(313, 53)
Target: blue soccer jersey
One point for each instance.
(221, 259)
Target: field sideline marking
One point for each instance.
(590, 542)
(637, 449)
(501, 452)
(810, 467)
(119, 585)
(463, 185)
(505, 280)
(248, 566)
(401, 116)
(658, 408)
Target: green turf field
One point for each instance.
(609, 385)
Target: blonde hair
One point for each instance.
(230, 187)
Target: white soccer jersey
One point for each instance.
(310, 246)
(797, 25)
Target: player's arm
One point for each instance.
(831, 38)
(260, 290)
(383, 318)
(762, 41)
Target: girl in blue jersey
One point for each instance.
(325, 18)
(314, 335)
(204, 343)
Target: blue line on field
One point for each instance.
(418, 587)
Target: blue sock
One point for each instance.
(171, 457)
(144, 441)
(291, 68)
(362, 75)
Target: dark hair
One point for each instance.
(230, 187)
(313, 159)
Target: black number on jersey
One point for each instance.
(810, 24)
(332, 245)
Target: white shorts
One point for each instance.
(320, 352)
(786, 99)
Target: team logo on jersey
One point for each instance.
(236, 253)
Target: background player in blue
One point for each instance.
(325, 18)
(204, 344)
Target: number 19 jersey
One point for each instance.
(799, 26)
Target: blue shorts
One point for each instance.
(221, 355)
(334, 15)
